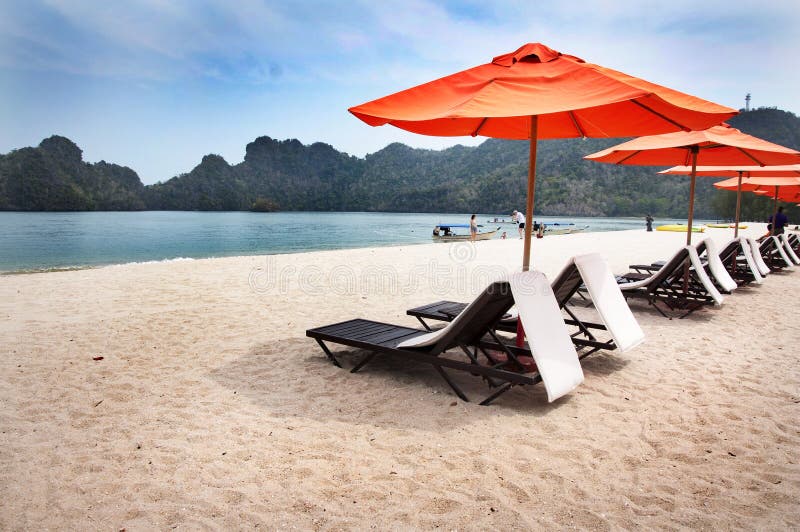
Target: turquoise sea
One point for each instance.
(35, 241)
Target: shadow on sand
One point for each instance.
(292, 378)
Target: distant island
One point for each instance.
(287, 175)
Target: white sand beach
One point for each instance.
(211, 409)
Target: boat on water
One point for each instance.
(501, 221)
(445, 233)
(680, 228)
(726, 226)
(562, 228)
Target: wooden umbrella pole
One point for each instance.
(738, 206)
(695, 149)
(526, 248)
(774, 212)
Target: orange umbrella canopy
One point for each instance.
(787, 190)
(570, 97)
(788, 194)
(753, 183)
(779, 188)
(788, 170)
(536, 92)
(718, 145)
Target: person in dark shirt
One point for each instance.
(649, 222)
(779, 222)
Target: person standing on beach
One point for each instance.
(779, 222)
(649, 222)
(519, 218)
(473, 228)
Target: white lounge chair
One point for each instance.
(787, 247)
(671, 286)
(755, 250)
(609, 301)
(715, 265)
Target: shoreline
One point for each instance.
(60, 241)
(238, 254)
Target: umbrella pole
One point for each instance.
(526, 248)
(695, 149)
(774, 211)
(738, 206)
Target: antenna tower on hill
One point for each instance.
(747, 102)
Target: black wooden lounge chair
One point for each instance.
(736, 257)
(794, 241)
(774, 255)
(783, 239)
(712, 263)
(680, 285)
(565, 286)
(487, 355)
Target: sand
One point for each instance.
(210, 409)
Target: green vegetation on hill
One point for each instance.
(53, 177)
(288, 175)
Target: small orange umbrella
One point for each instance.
(750, 184)
(779, 188)
(786, 170)
(536, 92)
(717, 145)
(737, 171)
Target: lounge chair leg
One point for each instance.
(363, 361)
(653, 303)
(691, 309)
(500, 391)
(580, 325)
(328, 353)
(427, 328)
(453, 385)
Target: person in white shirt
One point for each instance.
(520, 219)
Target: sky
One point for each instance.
(157, 84)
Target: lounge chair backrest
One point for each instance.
(787, 247)
(701, 247)
(471, 324)
(608, 300)
(715, 265)
(755, 249)
(567, 283)
(548, 337)
(777, 247)
(702, 276)
(730, 251)
(747, 251)
(672, 267)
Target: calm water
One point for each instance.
(44, 241)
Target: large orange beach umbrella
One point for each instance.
(536, 93)
(718, 145)
(792, 170)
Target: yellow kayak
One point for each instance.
(679, 228)
(726, 226)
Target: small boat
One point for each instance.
(726, 226)
(680, 228)
(444, 233)
(561, 228)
